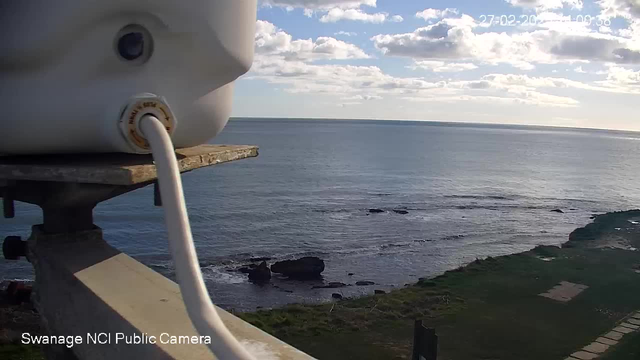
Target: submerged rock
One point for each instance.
(379, 292)
(558, 211)
(336, 296)
(400, 211)
(245, 269)
(260, 273)
(331, 285)
(365, 283)
(376, 211)
(308, 267)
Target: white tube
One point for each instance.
(194, 293)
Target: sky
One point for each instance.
(572, 63)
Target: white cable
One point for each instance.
(194, 293)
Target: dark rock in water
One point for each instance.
(336, 296)
(379, 292)
(402, 212)
(558, 211)
(309, 267)
(260, 273)
(376, 211)
(331, 285)
(365, 283)
(350, 274)
(259, 259)
(247, 268)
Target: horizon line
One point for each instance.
(437, 121)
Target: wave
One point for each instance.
(481, 197)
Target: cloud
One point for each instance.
(619, 80)
(627, 9)
(605, 30)
(272, 41)
(338, 14)
(622, 79)
(593, 46)
(360, 83)
(429, 14)
(579, 70)
(363, 97)
(456, 39)
(291, 64)
(441, 66)
(319, 4)
(346, 33)
(546, 4)
(530, 98)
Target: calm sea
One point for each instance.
(471, 191)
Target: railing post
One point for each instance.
(425, 342)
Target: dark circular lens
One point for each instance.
(131, 45)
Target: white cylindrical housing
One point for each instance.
(64, 81)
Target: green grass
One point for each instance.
(487, 310)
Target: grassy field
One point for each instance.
(489, 309)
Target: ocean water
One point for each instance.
(471, 191)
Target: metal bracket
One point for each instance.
(8, 204)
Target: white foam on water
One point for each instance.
(219, 275)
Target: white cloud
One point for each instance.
(319, 4)
(346, 33)
(455, 39)
(621, 82)
(530, 98)
(623, 79)
(272, 41)
(546, 4)
(338, 14)
(605, 30)
(289, 63)
(627, 9)
(359, 83)
(441, 66)
(363, 97)
(429, 14)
